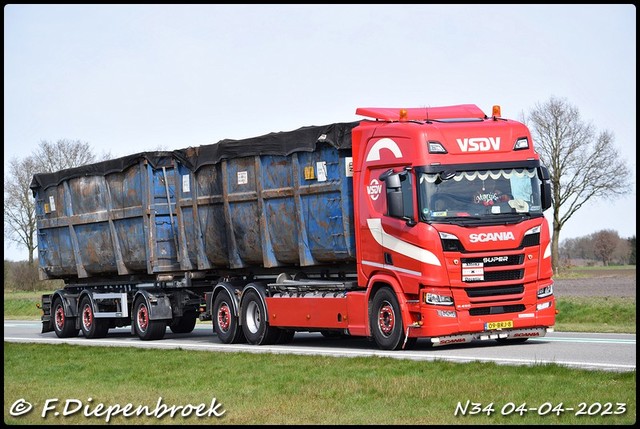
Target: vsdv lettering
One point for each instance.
(479, 144)
(491, 236)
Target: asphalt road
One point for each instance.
(606, 352)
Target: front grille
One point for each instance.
(494, 291)
(498, 309)
(500, 276)
(495, 261)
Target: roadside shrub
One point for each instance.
(22, 276)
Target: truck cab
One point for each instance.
(449, 216)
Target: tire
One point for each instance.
(146, 328)
(90, 326)
(64, 327)
(225, 324)
(386, 321)
(254, 324)
(183, 324)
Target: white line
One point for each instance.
(391, 267)
(585, 340)
(325, 352)
(404, 248)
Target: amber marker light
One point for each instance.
(496, 111)
(403, 114)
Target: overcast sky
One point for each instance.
(130, 78)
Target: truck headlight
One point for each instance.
(545, 291)
(435, 299)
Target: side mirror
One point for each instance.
(399, 195)
(391, 179)
(545, 187)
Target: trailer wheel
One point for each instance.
(63, 326)
(91, 327)
(254, 321)
(183, 324)
(146, 328)
(386, 320)
(225, 324)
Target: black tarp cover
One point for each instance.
(281, 143)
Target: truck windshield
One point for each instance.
(481, 193)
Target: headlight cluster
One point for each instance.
(435, 299)
(545, 291)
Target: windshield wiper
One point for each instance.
(453, 219)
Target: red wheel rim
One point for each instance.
(143, 318)
(59, 318)
(87, 317)
(386, 319)
(224, 317)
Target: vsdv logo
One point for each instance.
(479, 144)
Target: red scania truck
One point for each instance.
(412, 223)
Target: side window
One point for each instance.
(399, 189)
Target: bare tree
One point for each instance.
(605, 243)
(583, 164)
(632, 246)
(19, 206)
(63, 154)
(622, 252)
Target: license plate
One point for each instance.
(498, 325)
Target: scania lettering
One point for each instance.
(409, 224)
(491, 236)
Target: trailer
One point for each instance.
(355, 228)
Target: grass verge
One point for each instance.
(289, 389)
(589, 314)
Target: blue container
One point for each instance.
(254, 205)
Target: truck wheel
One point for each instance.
(183, 324)
(91, 327)
(63, 326)
(146, 328)
(225, 324)
(254, 321)
(386, 320)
